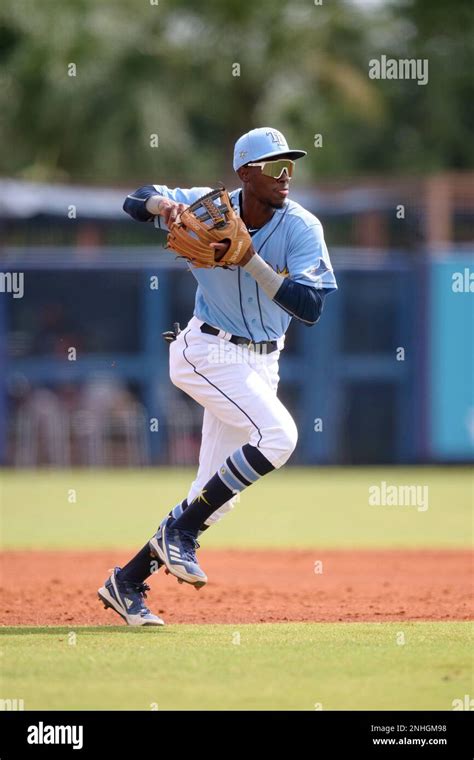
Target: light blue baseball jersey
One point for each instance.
(292, 243)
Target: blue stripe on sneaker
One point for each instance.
(238, 459)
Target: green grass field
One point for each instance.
(295, 666)
(274, 667)
(327, 507)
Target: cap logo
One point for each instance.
(277, 138)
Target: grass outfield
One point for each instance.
(294, 666)
(324, 507)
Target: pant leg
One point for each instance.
(218, 442)
(234, 391)
(240, 404)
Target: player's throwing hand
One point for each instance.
(169, 210)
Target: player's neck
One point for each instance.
(254, 213)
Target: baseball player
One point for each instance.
(226, 358)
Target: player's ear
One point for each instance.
(243, 173)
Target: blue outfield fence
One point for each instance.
(385, 376)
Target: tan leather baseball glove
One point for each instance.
(210, 219)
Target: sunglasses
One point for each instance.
(276, 168)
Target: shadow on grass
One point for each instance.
(84, 629)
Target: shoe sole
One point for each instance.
(182, 578)
(108, 601)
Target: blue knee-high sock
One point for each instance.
(140, 566)
(240, 470)
(178, 510)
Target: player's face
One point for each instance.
(268, 190)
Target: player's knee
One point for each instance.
(280, 442)
(290, 438)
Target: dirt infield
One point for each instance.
(59, 588)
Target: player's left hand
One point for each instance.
(222, 248)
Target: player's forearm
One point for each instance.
(145, 204)
(269, 280)
(136, 204)
(301, 301)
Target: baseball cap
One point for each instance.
(264, 142)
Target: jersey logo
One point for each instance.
(277, 138)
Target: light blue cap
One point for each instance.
(264, 142)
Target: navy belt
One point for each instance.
(263, 346)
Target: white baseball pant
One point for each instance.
(237, 388)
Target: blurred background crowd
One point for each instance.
(99, 98)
